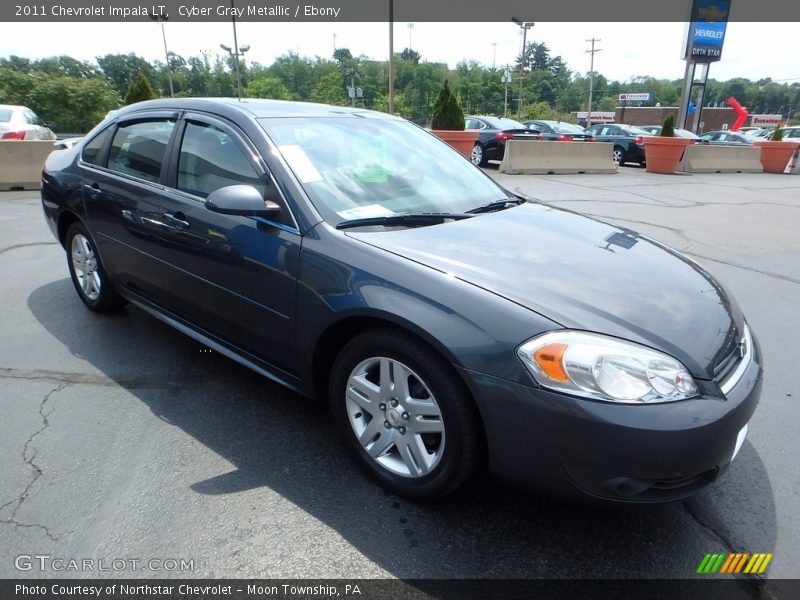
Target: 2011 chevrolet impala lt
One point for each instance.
(351, 256)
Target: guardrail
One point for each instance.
(702, 158)
(21, 164)
(558, 158)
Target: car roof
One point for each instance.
(255, 107)
(13, 107)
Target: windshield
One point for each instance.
(503, 123)
(356, 168)
(567, 128)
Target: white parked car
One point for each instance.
(21, 123)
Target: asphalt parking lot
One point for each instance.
(122, 438)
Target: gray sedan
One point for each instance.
(448, 324)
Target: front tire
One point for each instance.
(406, 414)
(87, 273)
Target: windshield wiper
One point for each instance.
(407, 220)
(499, 205)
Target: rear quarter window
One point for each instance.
(91, 150)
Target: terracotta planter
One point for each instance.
(463, 141)
(775, 155)
(664, 153)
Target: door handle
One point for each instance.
(93, 191)
(178, 220)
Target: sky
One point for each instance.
(751, 50)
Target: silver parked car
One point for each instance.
(21, 123)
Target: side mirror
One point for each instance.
(244, 200)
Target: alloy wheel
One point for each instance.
(395, 417)
(477, 155)
(84, 263)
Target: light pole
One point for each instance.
(525, 25)
(236, 52)
(160, 19)
(391, 57)
(410, 29)
(591, 80)
(236, 55)
(506, 80)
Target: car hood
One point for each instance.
(583, 274)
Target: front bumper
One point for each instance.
(629, 453)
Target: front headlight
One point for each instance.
(605, 368)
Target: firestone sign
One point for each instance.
(707, 30)
(634, 97)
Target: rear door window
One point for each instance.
(138, 149)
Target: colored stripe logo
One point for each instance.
(734, 563)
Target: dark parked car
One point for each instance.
(492, 135)
(726, 138)
(684, 133)
(559, 131)
(353, 257)
(627, 140)
(790, 134)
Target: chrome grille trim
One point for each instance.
(730, 382)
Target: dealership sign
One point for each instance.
(597, 116)
(642, 97)
(766, 119)
(707, 30)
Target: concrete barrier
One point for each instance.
(21, 164)
(705, 158)
(793, 168)
(542, 158)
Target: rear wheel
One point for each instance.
(478, 156)
(618, 155)
(406, 414)
(87, 273)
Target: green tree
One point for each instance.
(410, 55)
(538, 111)
(139, 90)
(74, 104)
(330, 89)
(267, 87)
(121, 69)
(447, 113)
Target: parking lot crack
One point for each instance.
(29, 459)
(746, 268)
(68, 377)
(17, 246)
(687, 504)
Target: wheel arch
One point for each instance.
(65, 220)
(333, 338)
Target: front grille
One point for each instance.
(728, 365)
(731, 370)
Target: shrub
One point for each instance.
(447, 113)
(139, 90)
(668, 129)
(777, 136)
